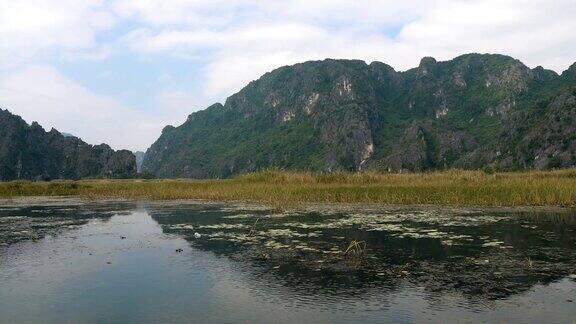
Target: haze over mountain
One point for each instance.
(29, 152)
(475, 111)
(139, 159)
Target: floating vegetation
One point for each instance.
(240, 216)
(222, 226)
(423, 245)
(492, 244)
(489, 252)
(23, 222)
(181, 226)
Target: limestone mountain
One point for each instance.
(475, 111)
(29, 152)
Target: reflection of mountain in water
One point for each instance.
(485, 254)
(30, 221)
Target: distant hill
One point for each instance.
(475, 111)
(139, 159)
(29, 152)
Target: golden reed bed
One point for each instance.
(449, 188)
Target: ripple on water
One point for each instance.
(252, 264)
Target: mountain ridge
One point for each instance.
(28, 152)
(349, 115)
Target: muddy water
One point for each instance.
(72, 261)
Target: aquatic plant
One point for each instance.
(252, 230)
(279, 188)
(356, 248)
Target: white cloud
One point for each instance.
(177, 103)
(180, 12)
(231, 42)
(219, 13)
(32, 28)
(534, 31)
(243, 54)
(276, 33)
(40, 93)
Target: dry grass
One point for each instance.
(356, 248)
(453, 188)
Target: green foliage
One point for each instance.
(475, 111)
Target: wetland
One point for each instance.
(78, 260)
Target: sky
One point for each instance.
(118, 71)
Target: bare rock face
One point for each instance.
(139, 155)
(414, 152)
(475, 111)
(29, 152)
(550, 141)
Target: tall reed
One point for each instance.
(453, 187)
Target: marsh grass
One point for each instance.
(450, 188)
(356, 248)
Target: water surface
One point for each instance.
(71, 261)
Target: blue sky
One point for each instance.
(118, 71)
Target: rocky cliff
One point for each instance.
(475, 111)
(29, 152)
(139, 159)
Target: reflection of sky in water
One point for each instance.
(90, 274)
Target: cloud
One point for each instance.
(231, 42)
(180, 12)
(33, 28)
(239, 55)
(274, 33)
(176, 103)
(537, 32)
(40, 93)
(243, 60)
(220, 13)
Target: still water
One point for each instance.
(73, 261)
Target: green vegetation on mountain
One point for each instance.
(477, 111)
(29, 152)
